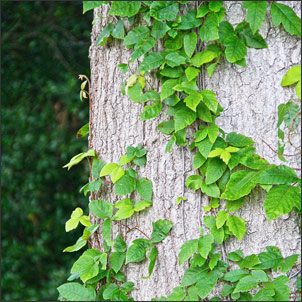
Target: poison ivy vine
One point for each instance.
(227, 166)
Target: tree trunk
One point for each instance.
(250, 97)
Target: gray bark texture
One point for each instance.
(250, 97)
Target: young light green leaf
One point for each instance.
(221, 218)
(249, 261)
(292, 76)
(83, 131)
(77, 246)
(108, 168)
(141, 205)
(116, 174)
(237, 226)
(79, 157)
(192, 73)
(193, 100)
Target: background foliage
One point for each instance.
(44, 48)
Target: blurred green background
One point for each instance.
(44, 49)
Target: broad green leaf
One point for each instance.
(125, 160)
(205, 245)
(203, 57)
(201, 134)
(226, 32)
(240, 184)
(174, 43)
(249, 261)
(284, 14)
(164, 10)
(197, 260)
(215, 6)
(174, 59)
(192, 274)
(116, 174)
(118, 31)
(234, 205)
(117, 260)
(213, 260)
(235, 256)
(211, 69)
(107, 232)
(292, 76)
(264, 294)
(235, 275)
(125, 185)
(142, 48)
(245, 284)
(124, 8)
(194, 182)
(193, 100)
(218, 234)
(104, 35)
(178, 293)
(79, 157)
(202, 10)
(107, 169)
(190, 42)
(170, 72)
(204, 113)
(128, 286)
(120, 244)
(221, 218)
(209, 29)
(215, 170)
(151, 61)
(209, 99)
(183, 118)
(159, 29)
(151, 111)
(84, 220)
(73, 291)
(161, 228)
(256, 13)
(71, 224)
(291, 109)
(189, 21)
(125, 207)
(211, 190)
(277, 175)
(83, 131)
(166, 127)
(204, 147)
(167, 88)
(152, 257)
(101, 209)
(135, 253)
(109, 291)
(135, 93)
(235, 50)
(144, 188)
(281, 290)
(191, 73)
(206, 284)
(226, 290)
(259, 275)
(198, 161)
(280, 200)
(141, 205)
(186, 250)
(237, 226)
(89, 5)
(136, 35)
(77, 246)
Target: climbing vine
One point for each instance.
(227, 165)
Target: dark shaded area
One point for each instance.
(44, 49)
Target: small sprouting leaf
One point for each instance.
(79, 157)
(180, 199)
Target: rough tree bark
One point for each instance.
(250, 97)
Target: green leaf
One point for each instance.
(203, 57)
(249, 261)
(218, 234)
(178, 293)
(189, 21)
(77, 246)
(226, 290)
(170, 72)
(88, 5)
(166, 127)
(141, 205)
(260, 275)
(240, 184)
(237, 226)
(116, 174)
(205, 284)
(281, 290)
(144, 188)
(211, 190)
(197, 260)
(277, 175)
(124, 8)
(264, 294)
(107, 169)
(283, 14)
(215, 6)
(202, 10)
(194, 182)
(256, 13)
(221, 218)
(198, 161)
(192, 274)
(235, 275)
(107, 232)
(190, 42)
(151, 111)
(125, 160)
(209, 99)
(235, 256)
(118, 31)
(226, 32)
(120, 244)
(292, 76)
(235, 50)
(204, 113)
(205, 245)
(280, 200)
(291, 109)
(164, 10)
(174, 59)
(151, 61)
(136, 35)
(152, 257)
(167, 88)
(135, 253)
(186, 250)
(79, 157)
(215, 170)
(204, 147)
(191, 73)
(117, 260)
(213, 260)
(183, 118)
(234, 205)
(73, 291)
(174, 43)
(128, 286)
(125, 207)
(101, 209)
(245, 284)
(83, 131)
(209, 30)
(125, 185)
(193, 100)
(211, 69)
(159, 29)
(161, 228)
(104, 35)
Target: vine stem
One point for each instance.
(290, 129)
(295, 274)
(289, 155)
(135, 228)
